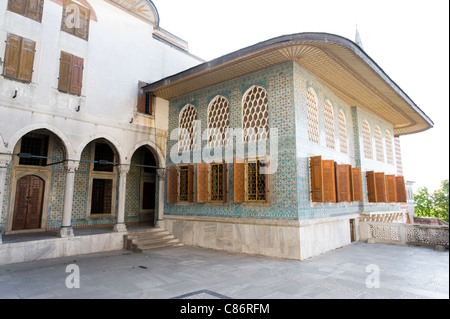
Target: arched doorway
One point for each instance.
(28, 203)
(141, 201)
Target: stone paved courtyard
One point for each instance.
(196, 273)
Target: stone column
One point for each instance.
(66, 230)
(160, 213)
(120, 225)
(4, 162)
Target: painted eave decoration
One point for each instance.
(337, 62)
(144, 9)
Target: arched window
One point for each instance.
(367, 140)
(218, 122)
(379, 144)
(329, 125)
(313, 116)
(343, 132)
(187, 123)
(255, 114)
(389, 148)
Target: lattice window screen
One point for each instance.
(367, 140)
(343, 132)
(255, 117)
(313, 116)
(389, 148)
(379, 144)
(329, 125)
(218, 122)
(187, 125)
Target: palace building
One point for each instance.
(108, 122)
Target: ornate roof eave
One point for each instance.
(337, 62)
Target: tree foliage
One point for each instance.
(433, 205)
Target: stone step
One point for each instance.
(150, 239)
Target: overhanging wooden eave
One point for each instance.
(337, 62)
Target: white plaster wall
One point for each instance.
(120, 52)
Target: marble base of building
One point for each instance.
(59, 247)
(298, 240)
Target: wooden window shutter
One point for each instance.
(371, 187)
(329, 181)
(12, 56)
(315, 167)
(391, 189)
(343, 183)
(225, 181)
(76, 76)
(356, 184)
(35, 10)
(172, 184)
(239, 181)
(83, 30)
(141, 97)
(380, 187)
(17, 6)
(401, 189)
(202, 183)
(26, 60)
(65, 67)
(190, 183)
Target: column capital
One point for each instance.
(124, 169)
(71, 166)
(161, 172)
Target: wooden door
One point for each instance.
(28, 205)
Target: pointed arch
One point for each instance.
(379, 144)
(218, 121)
(312, 103)
(343, 132)
(187, 123)
(367, 140)
(329, 125)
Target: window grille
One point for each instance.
(343, 132)
(256, 182)
(255, 117)
(329, 125)
(389, 148)
(187, 123)
(367, 140)
(313, 116)
(216, 182)
(184, 184)
(379, 144)
(218, 122)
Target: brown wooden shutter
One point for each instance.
(202, 183)
(83, 30)
(391, 189)
(35, 10)
(26, 60)
(17, 6)
(225, 181)
(190, 183)
(401, 189)
(371, 187)
(65, 68)
(356, 184)
(343, 183)
(12, 55)
(172, 184)
(380, 187)
(329, 181)
(239, 181)
(315, 167)
(141, 97)
(76, 76)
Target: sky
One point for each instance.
(408, 39)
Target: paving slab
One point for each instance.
(401, 272)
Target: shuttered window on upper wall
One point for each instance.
(401, 189)
(145, 100)
(75, 19)
(371, 187)
(70, 73)
(19, 58)
(28, 8)
(356, 184)
(343, 185)
(380, 187)
(391, 189)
